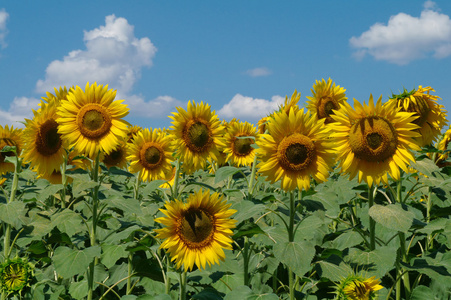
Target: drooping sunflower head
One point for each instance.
(295, 149)
(55, 99)
(358, 287)
(91, 120)
(132, 132)
(373, 140)
(117, 157)
(74, 162)
(431, 117)
(197, 231)
(197, 135)
(291, 103)
(326, 96)
(150, 154)
(238, 140)
(442, 146)
(262, 124)
(15, 275)
(44, 149)
(9, 137)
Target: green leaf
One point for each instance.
(49, 191)
(347, 240)
(247, 209)
(426, 166)
(225, 172)
(245, 293)
(423, 292)
(79, 289)
(69, 262)
(247, 229)
(151, 187)
(295, 255)
(333, 271)
(68, 221)
(112, 253)
(377, 262)
(122, 235)
(12, 212)
(80, 187)
(128, 206)
(392, 216)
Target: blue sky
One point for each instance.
(241, 57)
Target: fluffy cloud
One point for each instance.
(406, 38)
(18, 110)
(159, 107)
(113, 56)
(3, 31)
(248, 108)
(257, 72)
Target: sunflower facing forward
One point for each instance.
(44, 149)
(372, 140)
(295, 149)
(239, 149)
(91, 120)
(150, 154)
(197, 231)
(431, 115)
(326, 96)
(9, 137)
(197, 135)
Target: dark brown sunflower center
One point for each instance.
(196, 227)
(151, 155)
(197, 135)
(325, 108)
(373, 139)
(48, 140)
(114, 158)
(242, 147)
(94, 121)
(296, 152)
(421, 108)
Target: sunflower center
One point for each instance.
(325, 108)
(48, 140)
(197, 135)
(196, 227)
(296, 152)
(242, 147)
(360, 290)
(373, 139)
(151, 155)
(94, 121)
(114, 158)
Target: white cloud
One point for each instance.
(406, 38)
(160, 107)
(113, 56)
(19, 109)
(248, 108)
(3, 31)
(258, 72)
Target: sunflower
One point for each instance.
(117, 157)
(13, 138)
(91, 121)
(239, 150)
(262, 124)
(295, 149)
(44, 149)
(357, 287)
(132, 131)
(170, 177)
(326, 96)
(150, 154)
(197, 135)
(60, 95)
(197, 231)
(15, 275)
(291, 103)
(373, 140)
(442, 145)
(431, 115)
(74, 162)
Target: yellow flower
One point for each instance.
(197, 231)
(9, 137)
(357, 287)
(197, 135)
(239, 151)
(431, 115)
(150, 154)
(44, 149)
(91, 120)
(73, 163)
(117, 157)
(440, 159)
(296, 148)
(326, 97)
(291, 103)
(15, 275)
(132, 131)
(373, 140)
(262, 124)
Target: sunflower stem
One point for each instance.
(246, 260)
(176, 179)
(63, 168)
(93, 240)
(291, 282)
(402, 272)
(251, 180)
(183, 285)
(428, 218)
(372, 222)
(130, 255)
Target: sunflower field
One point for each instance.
(337, 200)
